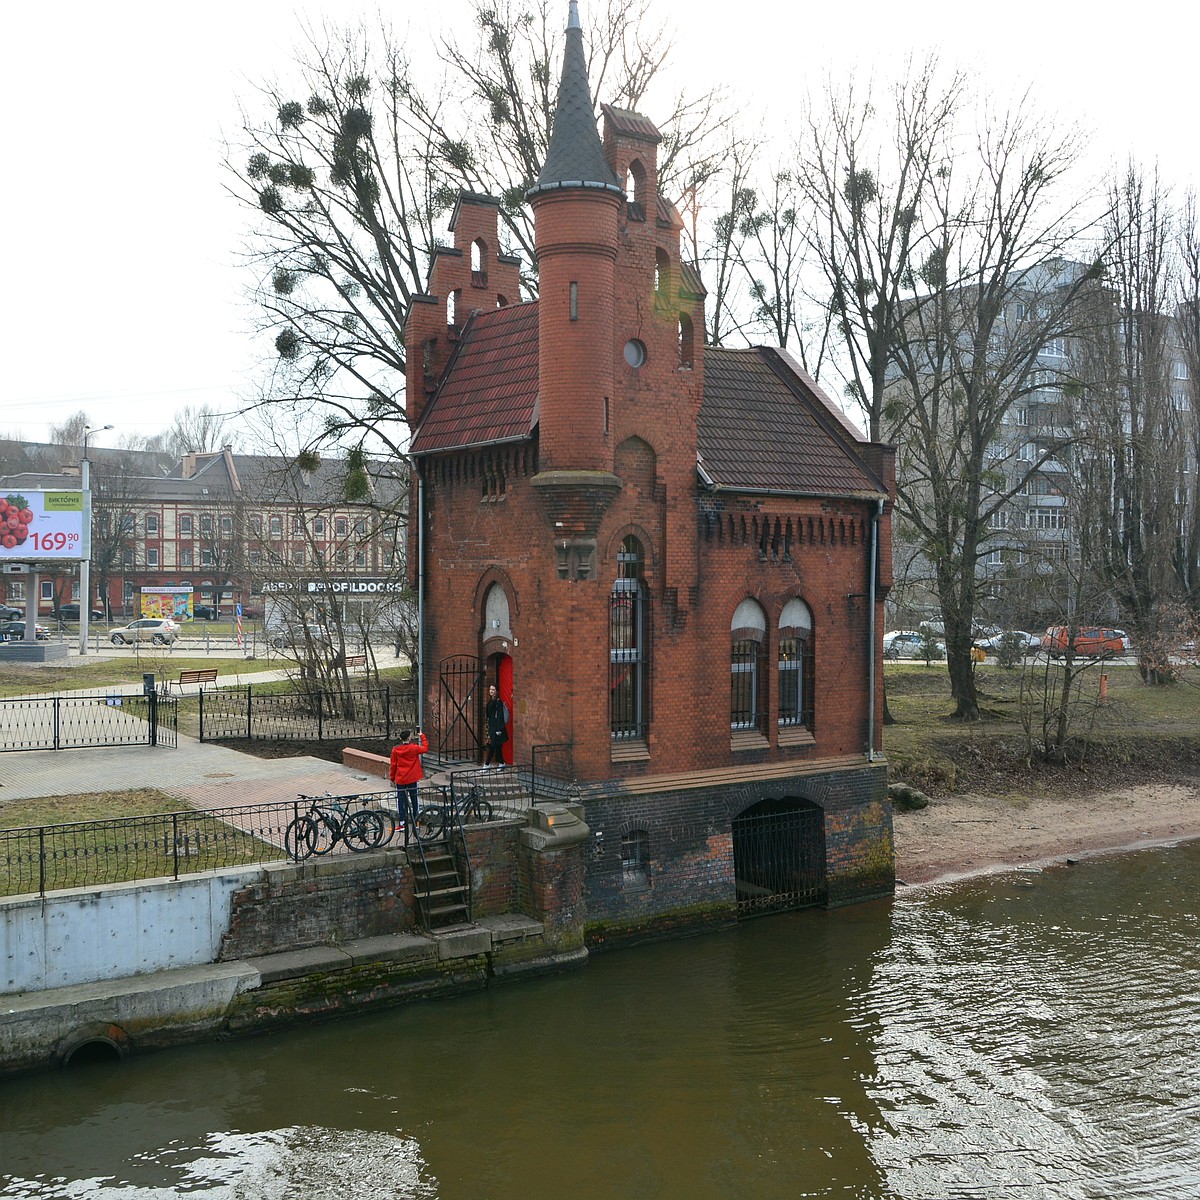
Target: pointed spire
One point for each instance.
(575, 157)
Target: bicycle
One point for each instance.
(328, 821)
(434, 818)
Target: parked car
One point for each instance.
(205, 612)
(14, 631)
(1090, 641)
(160, 631)
(70, 612)
(908, 643)
(299, 636)
(8, 613)
(1028, 643)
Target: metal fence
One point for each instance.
(242, 713)
(78, 722)
(164, 845)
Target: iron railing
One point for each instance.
(82, 721)
(48, 858)
(241, 713)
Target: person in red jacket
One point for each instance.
(407, 772)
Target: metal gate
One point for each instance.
(779, 856)
(80, 722)
(460, 707)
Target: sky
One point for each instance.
(124, 295)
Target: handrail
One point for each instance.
(38, 859)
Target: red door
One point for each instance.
(505, 687)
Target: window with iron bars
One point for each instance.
(747, 692)
(628, 657)
(796, 681)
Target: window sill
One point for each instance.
(748, 739)
(630, 750)
(796, 735)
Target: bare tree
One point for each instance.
(1187, 394)
(356, 166)
(70, 433)
(118, 502)
(1002, 290)
(200, 430)
(1134, 444)
(868, 172)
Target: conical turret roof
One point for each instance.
(575, 158)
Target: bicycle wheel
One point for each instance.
(327, 829)
(300, 838)
(363, 830)
(429, 823)
(479, 809)
(388, 822)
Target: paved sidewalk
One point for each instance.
(205, 774)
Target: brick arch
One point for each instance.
(649, 553)
(635, 462)
(494, 575)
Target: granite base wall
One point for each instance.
(687, 883)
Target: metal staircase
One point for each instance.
(441, 896)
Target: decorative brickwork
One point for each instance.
(739, 481)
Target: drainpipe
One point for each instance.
(871, 576)
(420, 594)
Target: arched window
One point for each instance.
(796, 665)
(628, 654)
(496, 621)
(635, 191)
(479, 263)
(686, 350)
(635, 858)
(452, 309)
(748, 677)
(662, 274)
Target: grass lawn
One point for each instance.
(1141, 731)
(128, 835)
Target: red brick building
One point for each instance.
(671, 558)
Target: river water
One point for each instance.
(1031, 1035)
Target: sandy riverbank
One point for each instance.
(960, 836)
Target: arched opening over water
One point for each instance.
(779, 856)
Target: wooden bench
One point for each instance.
(356, 660)
(201, 676)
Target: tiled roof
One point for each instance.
(666, 215)
(489, 393)
(630, 124)
(766, 426)
(575, 157)
(690, 282)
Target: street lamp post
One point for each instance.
(85, 564)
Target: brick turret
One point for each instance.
(470, 275)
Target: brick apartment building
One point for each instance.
(228, 526)
(671, 558)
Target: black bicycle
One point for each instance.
(332, 819)
(471, 806)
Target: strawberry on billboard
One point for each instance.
(37, 525)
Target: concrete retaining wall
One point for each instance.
(121, 929)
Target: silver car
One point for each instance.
(161, 632)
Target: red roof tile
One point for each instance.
(766, 426)
(631, 124)
(490, 391)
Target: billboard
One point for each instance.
(39, 525)
(172, 602)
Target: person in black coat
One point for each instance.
(496, 724)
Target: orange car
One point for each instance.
(1090, 641)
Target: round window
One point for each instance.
(635, 352)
